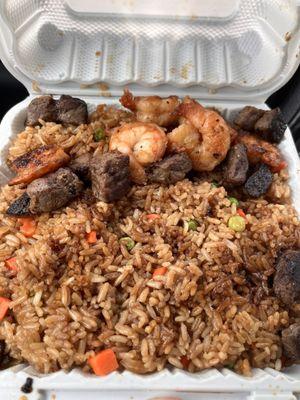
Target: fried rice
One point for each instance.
(214, 307)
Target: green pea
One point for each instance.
(99, 134)
(215, 184)
(128, 242)
(192, 225)
(233, 200)
(237, 223)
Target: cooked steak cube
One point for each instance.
(81, 167)
(53, 191)
(247, 117)
(110, 175)
(271, 126)
(237, 165)
(291, 342)
(170, 170)
(287, 277)
(71, 110)
(38, 162)
(20, 207)
(44, 108)
(259, 182)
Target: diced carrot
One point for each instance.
(185, 361)
(160, 271)
(280, 166)
(91, 237)
(241, 212)
(11, 264)
(28, 226)
(152, 217)
(104, 362)
(4, 303)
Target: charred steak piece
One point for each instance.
(71, 110)
(110, 175)
(170, 170)
(237, 165)
(291, 342)
(268, 124)
(20, 207)
(259, 182)
(81, 167)
(271, 126)
(38, 162)
(287, 277)
(44, 108)
(53, 191)
(247, 117)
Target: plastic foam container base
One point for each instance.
(226, 53)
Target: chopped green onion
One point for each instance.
(128, 242)
(192, 225)
(233, 200)
(214, 184)
(237, 223)
(99, 134)
(230, 365)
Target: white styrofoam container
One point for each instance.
(226, 53)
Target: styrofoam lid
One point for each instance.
(224, 49)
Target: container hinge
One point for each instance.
(271, 395)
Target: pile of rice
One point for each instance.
(214, 307)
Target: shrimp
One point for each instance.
(37, 163)
(144, 143)
(204, 135)
(260, 151)
(152, 108)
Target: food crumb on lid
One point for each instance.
(35, 87)
(288, 36)
(27, 387)
(102, 86)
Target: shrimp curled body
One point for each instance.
(204, 135)
(144, 143)
(161, 111)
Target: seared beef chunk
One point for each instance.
(237, 165)
(44, 108)
(291, 342)
(72, 111)
(53, 191)
(81, 167)
(271, 126)
(20, 207)
(38, 162)
(170, 170)
(110, 176)
(247, 117)
(259, 182)
(287, 277)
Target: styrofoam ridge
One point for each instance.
(207, 380)
(117, 51)
(210, 380)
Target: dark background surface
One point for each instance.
(287, 98)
